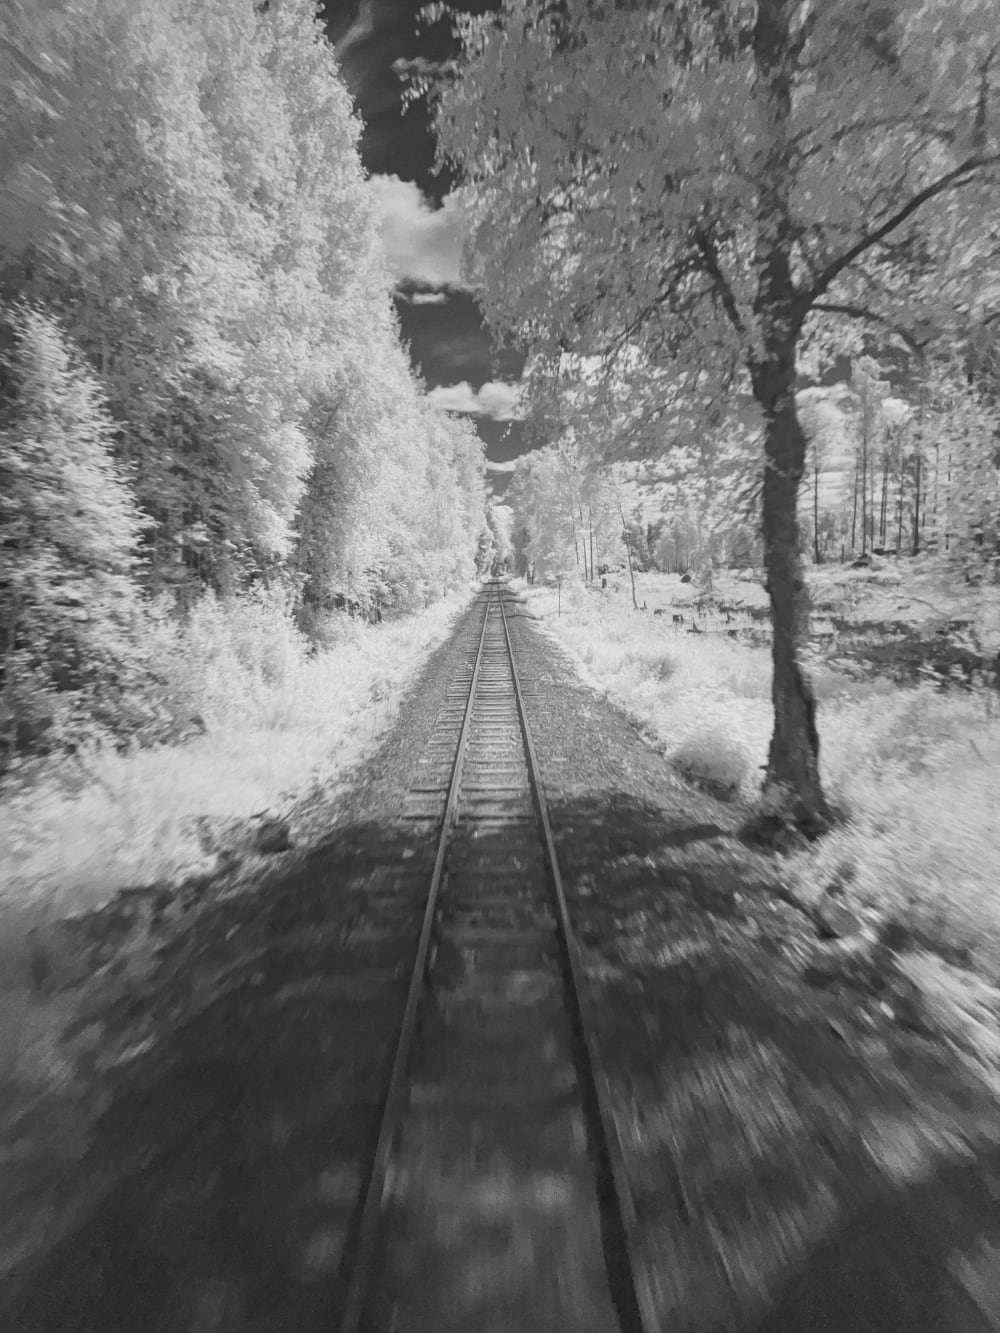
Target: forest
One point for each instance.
(754, 281)
(257, 899)
(206, 412)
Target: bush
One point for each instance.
(710, 760)
(223, 660)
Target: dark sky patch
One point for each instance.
(372, 35)
(449, 343)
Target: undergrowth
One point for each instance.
(915, 770)
(264, 718)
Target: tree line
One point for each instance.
(202, 383)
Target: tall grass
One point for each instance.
(916, 771)
(273, 717)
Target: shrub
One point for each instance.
(710, 760)
(223, 659)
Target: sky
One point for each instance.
(422, 227)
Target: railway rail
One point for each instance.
(496, 1140)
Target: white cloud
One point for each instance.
(422, 243)
(495, 399)
(362, 27)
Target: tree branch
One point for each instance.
(958, 176)
(862, 312)
(710, 255)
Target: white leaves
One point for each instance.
(208, 159)
(193, 201)
(602, 163)
(68, 522)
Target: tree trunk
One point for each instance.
(916, 510)
(883, 517)
(864, 481)
(628, 552)
(854, 510)
(587, 571)
(793, 762)
(792, 781)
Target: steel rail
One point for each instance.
(631, 1294)
(361, 1254)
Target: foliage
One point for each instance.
(182, 197)
(69, 529)
(616, 162)
(672, 201)
(277, 719)
(564, 507)
(956, 432)
(495, 548)
(911, 766)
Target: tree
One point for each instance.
(207, 235)
(495, 549)
(567, 508)
(69, 531)
(965, 422)
(682, 192)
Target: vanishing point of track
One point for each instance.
(495, 1063)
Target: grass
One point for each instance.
(277, 720)
(915, 770)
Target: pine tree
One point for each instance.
(69, 529)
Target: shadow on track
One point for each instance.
(789, 1180)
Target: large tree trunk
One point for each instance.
(793, 762)
(792, 784)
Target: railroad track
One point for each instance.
(495, 1196)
